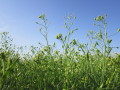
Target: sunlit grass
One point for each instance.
(77, 67)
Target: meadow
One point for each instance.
(78, 66)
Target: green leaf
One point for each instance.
(40, 29)
(118, 30)
(76, 29)
(64, 23)
(74, 17)
(91, 32)
(74, 42)
(109, 41)
(42, 16)
(66, 26)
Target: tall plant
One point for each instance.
(44, 27)
(102, 39)
(44, 30)
(66, 40)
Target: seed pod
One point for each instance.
(99, 18)
(59, 36)
(74, 42)
(42, 16)
(109, 41)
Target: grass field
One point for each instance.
(78, 66)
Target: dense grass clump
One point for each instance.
(78, 67)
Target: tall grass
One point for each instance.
(79, 66)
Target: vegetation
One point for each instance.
(79, 66)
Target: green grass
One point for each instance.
(77, 67)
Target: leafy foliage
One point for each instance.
(78, 67)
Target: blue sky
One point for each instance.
(19, 16)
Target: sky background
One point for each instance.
(19, 16)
